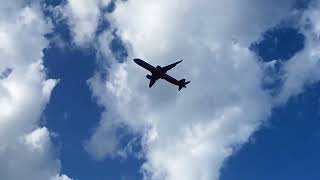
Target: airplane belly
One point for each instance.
(170, 79)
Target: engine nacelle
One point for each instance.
(148, 76)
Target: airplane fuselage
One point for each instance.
(156, 71)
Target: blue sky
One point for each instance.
(74, 67)
(287, 146)
(250, 112)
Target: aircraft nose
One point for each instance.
(136, 60)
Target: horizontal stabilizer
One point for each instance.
(183, 84)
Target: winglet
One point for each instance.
(179, 61)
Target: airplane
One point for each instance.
(160, 73)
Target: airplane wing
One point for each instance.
(167, 68)
(145, 65)
(151, 83)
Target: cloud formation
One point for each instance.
(83, 18)
(190, 134)
(303, 69)
(187, 135)
(26, 151)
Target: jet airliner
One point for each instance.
(159, 72)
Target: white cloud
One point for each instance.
(187, 134)
(25, 149)
(30, 157)
(61, 177)
(83, 18)
(303, 68)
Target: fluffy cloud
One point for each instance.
(83, 17)
(30, 157)
(303, 69)
(25, 149)
(187, 134)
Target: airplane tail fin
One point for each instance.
(183, 84)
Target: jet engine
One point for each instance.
(148, 76)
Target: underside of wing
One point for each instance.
(151, 83)
(152, 79)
